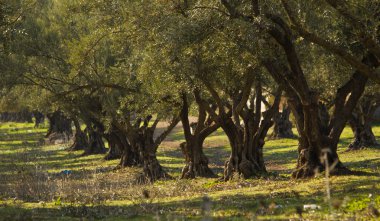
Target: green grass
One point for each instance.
(32, 188)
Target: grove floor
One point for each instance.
(34, 186)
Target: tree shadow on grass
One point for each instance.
(363, 164)
(226, 206)
(23, 137)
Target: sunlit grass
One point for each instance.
(31, 183)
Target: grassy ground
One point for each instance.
(32, 186)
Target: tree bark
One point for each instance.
(360, 123)
(246, 140)
(282, 127)
(80, 138)
(140, 147)
(152, 168)
(113, 149)
(363, 135)
(115, 143)
(126, 138)
(39, 118)
(310, 143)
(147, 146)
(95, 140)
(59, 128)
(318, 132)
(317, 138)
(130, 156)
(192, 149)
(25, 116)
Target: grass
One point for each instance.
(32, 186)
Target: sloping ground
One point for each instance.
(33, 186)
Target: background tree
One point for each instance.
(362, 119)
(315, 135)
(282, 126)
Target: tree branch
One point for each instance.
(350, 59)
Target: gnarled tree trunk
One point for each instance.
(195, 134)
(130, 156)
(363, 135)
(25, 116)
(318, 132)
(126, 138)
(140, 147)
(310, 142)
(80, 138)
(114, 152)
(313, 141)
(360, 123)
(95, 140)
(115, 143)
(147, 146)
(60, 130)
(247, 140)
(152, 168)
(282, 127)
(39, 118)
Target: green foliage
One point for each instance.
(111, 61)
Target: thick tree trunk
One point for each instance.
(317, 139)
(317, 145)
(125, 140)
(115, 143)
(282, 126)
(247, 141)
(246, 157)
(114, 152)
(25, 116)
(4, 117)
(360, 123)
(196, 160)
(140, 148)
(59, 129)
(39, 118)
(363, 136)
(130, 156)
(80, 138)
(192, 149)
(310, 138)
(95, 141)
(152, 169)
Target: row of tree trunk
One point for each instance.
(136, 145)
(20, 117)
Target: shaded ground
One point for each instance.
(32, 186)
